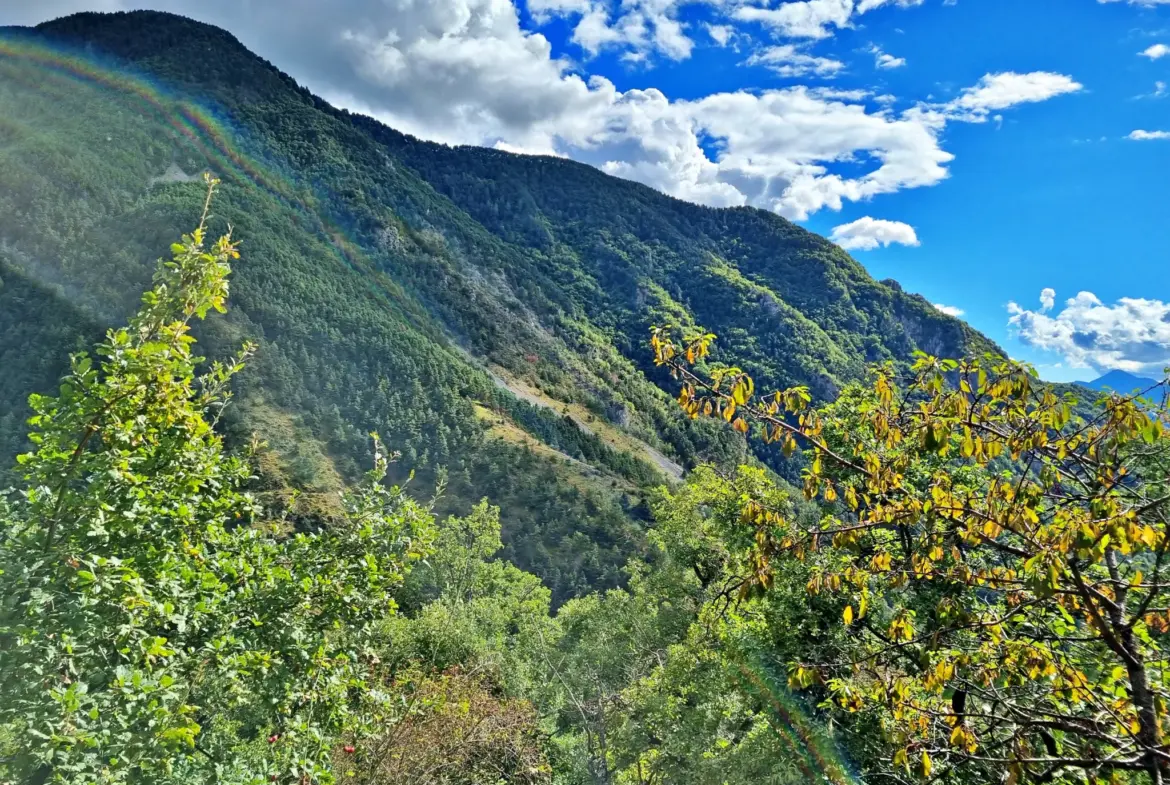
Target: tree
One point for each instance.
(668, 681)
(456, 731)
(1001, 563)
(156, 625)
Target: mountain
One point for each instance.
(486, 313)
(1120, 381)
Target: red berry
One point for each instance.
(272, 739)
(348, 748)
(272, 778)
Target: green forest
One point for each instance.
(392, 285)
(416, 464)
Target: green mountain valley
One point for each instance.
(452, 465)
(486, 313)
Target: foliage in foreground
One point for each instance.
(981, 578)
(155, 624)
(158, 624)
(1001, 566)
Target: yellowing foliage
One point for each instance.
(1010, 559)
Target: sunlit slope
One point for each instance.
(388, 280)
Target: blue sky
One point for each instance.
(1006, 158)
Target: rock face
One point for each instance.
(174, 174)
(619, 414)
(390, 239)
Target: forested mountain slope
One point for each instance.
(406, 287)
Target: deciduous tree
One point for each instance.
(1001, 562)
(155, 624)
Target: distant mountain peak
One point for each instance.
(1120, 381)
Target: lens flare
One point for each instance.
(815, 754)
(193, 122)
(57, 71)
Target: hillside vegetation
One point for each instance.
(413, 465)
(971, 568)
(386, 280)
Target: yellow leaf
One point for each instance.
(901, 758)
(848, 614)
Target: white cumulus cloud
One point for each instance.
(868, 233)
(833, 93)
(470, 72)
(790, 60)
(1156, 51)
(808, 19)
(949, 310)
(1047, 299)
(776, 149)
(640, 27)
(1147, 136)
(812, 19)
(720, 34)
(544, 9)
(1007, 89)
(869, 5)
(1132, 334)
(885, 60)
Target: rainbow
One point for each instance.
(192, 121)
(815, 755)
(199, 126)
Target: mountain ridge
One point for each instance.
(1119, 381)
(387, 279)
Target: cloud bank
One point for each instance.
(1132, 334)
(480, 72)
